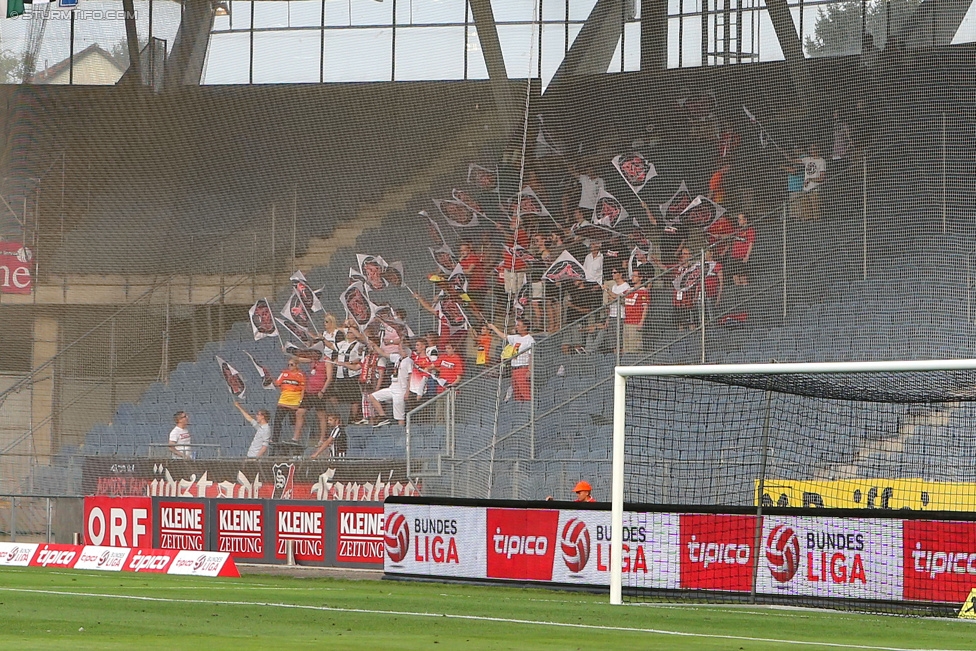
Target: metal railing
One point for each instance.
(40, 518)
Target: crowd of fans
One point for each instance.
(586, 240)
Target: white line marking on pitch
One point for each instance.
(477, 618)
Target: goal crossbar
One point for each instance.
(621, 373)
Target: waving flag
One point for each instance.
(310, 353)
(457, 213)
(486, 180)
(635, 170)
(459, 283)
(673, 208)
(262, 320)
(371, 270)
(764, 137)
(296, 330)
(234, 380)
(444, 258)
(435, 230)
(530, 203)
(608, 211)
(544, 144)
(267, 380)
(294, 310)
(304, 292)
(453, 314)
(703, 211)
(565, 267)
(357, 304)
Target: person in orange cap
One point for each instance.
(583, 492)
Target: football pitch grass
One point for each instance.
(46, 609)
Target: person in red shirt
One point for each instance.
(474, 268)
(315, 382)
(449, 366)
(719, 235)
(636, 304)
(291, 382)
(742, 243)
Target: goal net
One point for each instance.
(836, 481)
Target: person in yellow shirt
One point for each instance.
(291, 382)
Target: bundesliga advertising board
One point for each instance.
(877, 559)
(117, 559)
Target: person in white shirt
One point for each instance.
(179, 437)
(396, 393)
(522, 342)
(262, 431)
(593, 264)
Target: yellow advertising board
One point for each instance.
(895, 494)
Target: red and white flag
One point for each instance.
(486, 180)
(234, 380)
(267, 380)
(262, 320)
(635, 170)
(305, 293)
(608, 211)
(294, 310)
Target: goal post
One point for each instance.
(949, 381)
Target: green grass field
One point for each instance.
(43, 609)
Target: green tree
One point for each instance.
(838, 27)
(11, 67)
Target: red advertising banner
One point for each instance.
(182, 525)
(16, 263)
(240, 529)
(716, 551)
(118, 521)
(359, 538)
(305, 525)
(521, 543)
(939, 560)
(64, 556)
(150, 561)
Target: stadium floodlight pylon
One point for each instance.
(751, 375)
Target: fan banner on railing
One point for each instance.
(443, 258)
(267, 381)
(672, 209)
(300, 333)
(305, 293)
(608, 211)
(16, 265)
(456, 213)
(371, 269)
(233, 378)
(635, 170)
(294, 310)
(520, 300)
(357, 304)
(565, 267)
(262, 320)
(482, 178)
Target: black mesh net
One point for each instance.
(735, 455)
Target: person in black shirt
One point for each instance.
(335, 442)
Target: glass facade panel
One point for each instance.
(286, 57)
(227, 59)
(269, 13)
(476, 58)
(519, 50)
(429, 53)
(507, 11)
(359, 55)
(425, 12)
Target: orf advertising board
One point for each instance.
(434, 540)
(853, 558)
(939, 560)
(359, 536)
(118, 521)
(181, 524)
(650, 549)
(241, 529)
(304, 525)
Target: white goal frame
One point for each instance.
(621, 373)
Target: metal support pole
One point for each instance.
(532, 404)
(294, 227)
(164, 371)
(616, 320)
(864, 213)
(701, 301)
(13, 519)
(47, 537)
(274, 258)
(786, 212)
(760, 489)
(407, 427)
(944, 207)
